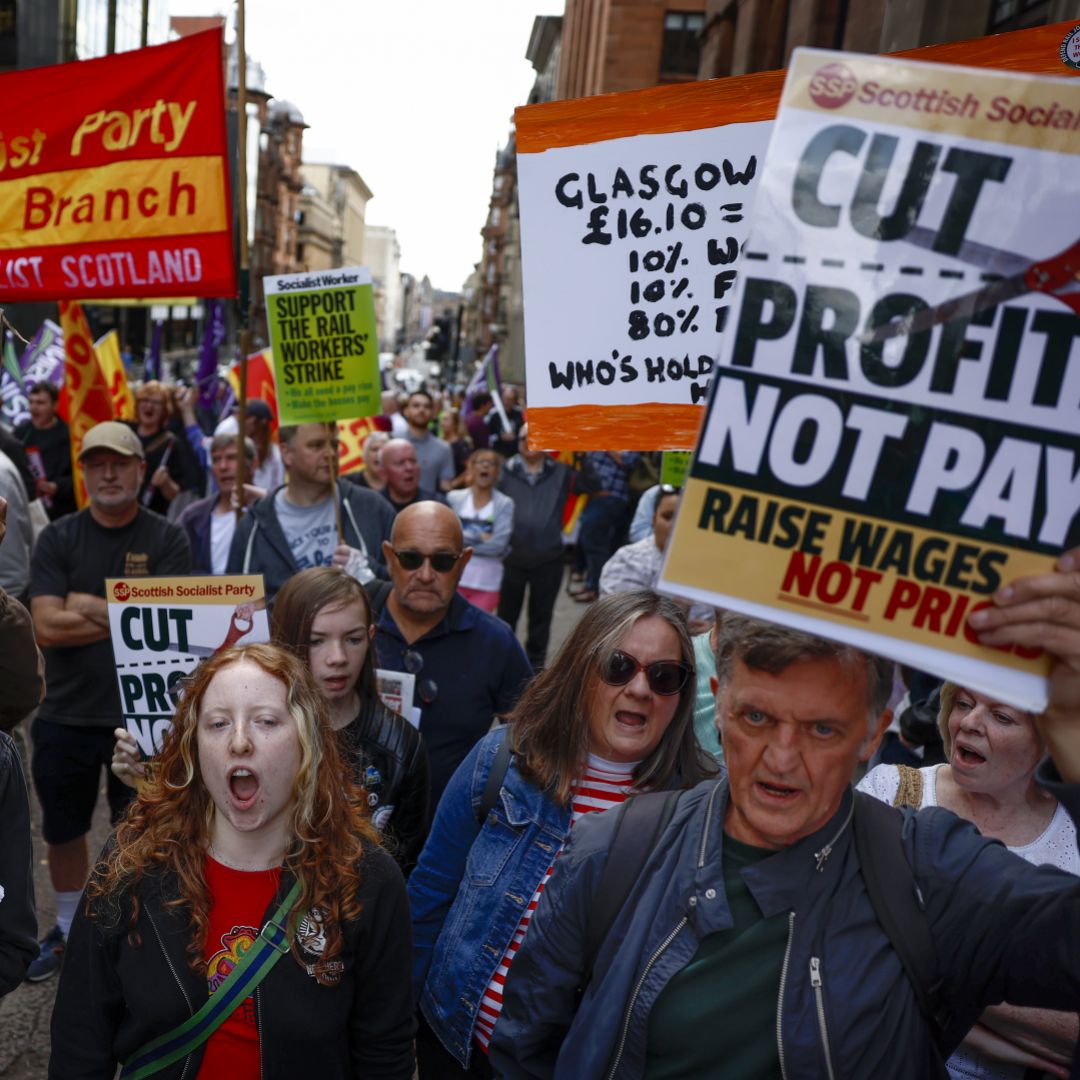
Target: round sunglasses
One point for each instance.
(665, 677)
(442, 562)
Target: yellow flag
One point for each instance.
(107, 350)
(85, 399)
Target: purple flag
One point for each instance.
(152, 366)
(213, 339)
(43, 359)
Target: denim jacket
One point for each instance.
(471, 887)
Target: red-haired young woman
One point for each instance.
(247, 799)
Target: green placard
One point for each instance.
(674, 466)
(325, 344)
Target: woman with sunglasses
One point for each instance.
(612, 714)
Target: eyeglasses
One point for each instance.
(442, 562)
(665, 677)
(427, 690)
(670, 489)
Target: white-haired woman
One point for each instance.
(993, 750)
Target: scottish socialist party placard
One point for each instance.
(894, 428)
(163, 628)
(114, 178)
(325, 344)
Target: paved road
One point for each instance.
(25, 1013)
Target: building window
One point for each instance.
(681, 48)
(1017, 14)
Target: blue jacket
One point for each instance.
(471, 887)
(1004, 930)
(195, 521)
(259, 545)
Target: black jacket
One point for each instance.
(259, 545)
(114, 997)
(18, 923)
(390, 761)
(538, 508)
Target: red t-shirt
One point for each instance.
(238, 902)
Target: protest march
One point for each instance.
(659, 659)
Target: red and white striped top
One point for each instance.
(605, 784)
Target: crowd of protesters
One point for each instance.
(641, 857)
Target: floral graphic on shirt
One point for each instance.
(233, 946)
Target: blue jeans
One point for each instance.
(602, 523)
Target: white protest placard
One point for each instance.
(163, 628)
(894, 427)
(629, 251)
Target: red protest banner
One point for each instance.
(113, 176)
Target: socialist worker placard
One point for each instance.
(894, 429)
(325, 344)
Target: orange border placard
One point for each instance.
(688, 107)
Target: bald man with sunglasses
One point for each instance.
(469, 667)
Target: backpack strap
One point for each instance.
(378, 591)
(268, 948)
(492, 787)
(899, 908)
(641, 822)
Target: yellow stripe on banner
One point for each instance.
(123, 201)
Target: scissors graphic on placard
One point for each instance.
(239, 625)
(1058, 277)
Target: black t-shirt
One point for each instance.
(76, 554)
(54, 446)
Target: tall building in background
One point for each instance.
(337, 198)
(758, 35)
(382, 255)
(613, 45)
(493, 308)
(34, 33)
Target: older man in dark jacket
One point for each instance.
(748, 943)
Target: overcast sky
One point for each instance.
(415, 95)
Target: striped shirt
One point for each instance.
(605, 784)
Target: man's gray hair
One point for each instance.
(227, 439)
(765, 646)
